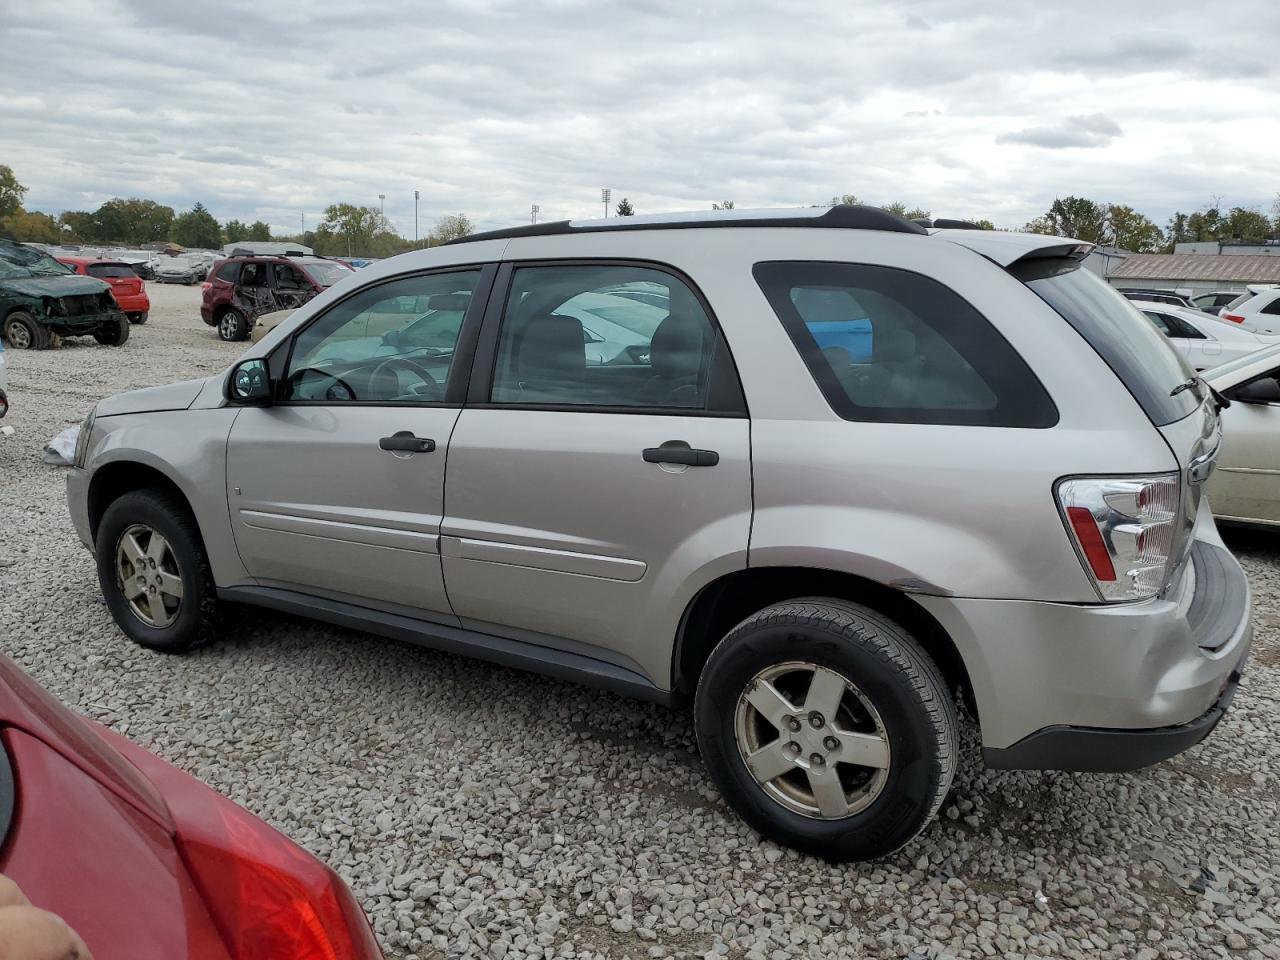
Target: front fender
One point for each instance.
(189, 448)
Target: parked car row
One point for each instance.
(1205, 341)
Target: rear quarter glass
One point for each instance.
(890, 345)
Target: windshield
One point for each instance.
(35, 261)
(9, 271)
(325, 272)
(1144, 360)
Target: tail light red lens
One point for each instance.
(1090, 539)
(1233, 317)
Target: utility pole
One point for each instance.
(534, 212)
(304, 224)
(605, 195)
(415, 218)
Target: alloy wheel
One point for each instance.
(148, 576)
(812, 740)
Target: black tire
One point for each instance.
(232, 325)
(198, 616)
(21, 331)
(114, 332)
(894, 675)
(138, 319)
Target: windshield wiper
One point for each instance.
(1185, 385)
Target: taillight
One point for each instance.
(1125, 530)
(1233, 317)
(267, 896)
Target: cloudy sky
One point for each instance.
(969, 108)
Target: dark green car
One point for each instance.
(40, 300)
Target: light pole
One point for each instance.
(534, 212)
(605, 195)
(382, 207)
(415, 218)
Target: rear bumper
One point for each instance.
(133, 303)
(1048, 675)
(1100, 750)
(206, 313)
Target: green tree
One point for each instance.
(349, 230)
(11, 192)
(902, 210)
(625, 209)
(847, 199)
(1073, 217)
(984, 224)
(260, 230)
(235, 231)
(1130, 230)
(197, 228)
(1177, 231)
(723, 205)
(77, 225)
(132, 221)
(450, 228)
(32, 227)
(1243, 224)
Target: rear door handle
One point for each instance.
(678, 451)
(406, 441)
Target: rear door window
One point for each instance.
(1146, 363)
(890, 345)
(228, 271)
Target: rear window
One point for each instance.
(1146, 363)
(111, 270)
(893, 346)
(1239, 300)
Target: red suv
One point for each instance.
(242, 288)
(126, 286)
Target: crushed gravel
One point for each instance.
(480, 812)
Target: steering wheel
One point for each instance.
(338, 390)
(391, 366)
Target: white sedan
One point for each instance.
(1203, 340)
(1245, 487)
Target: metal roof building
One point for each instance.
(1198, 272)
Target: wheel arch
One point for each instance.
(730, 599)
(112, 480)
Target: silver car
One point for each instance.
(855, 474)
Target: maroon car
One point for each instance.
(242, 288)
(147, 863)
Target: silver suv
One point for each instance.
(825, 475)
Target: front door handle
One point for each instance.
(678, 451)
(405, 441)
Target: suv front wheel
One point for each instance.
(154, 573)
(827, 728)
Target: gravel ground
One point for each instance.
(481, 812)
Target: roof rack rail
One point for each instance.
(841, 216)
(942, 223)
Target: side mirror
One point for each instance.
(250, 384)
(1264, 390)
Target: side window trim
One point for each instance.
(484, 367)
(455, 391)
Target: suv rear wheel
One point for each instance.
(114, 332)
(827, 728)
(22, 332)
(232, 325)
(154, 573)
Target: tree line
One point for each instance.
(346, 229)
(1118, 225)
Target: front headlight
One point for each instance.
(82, 441)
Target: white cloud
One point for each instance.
(275, 110)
